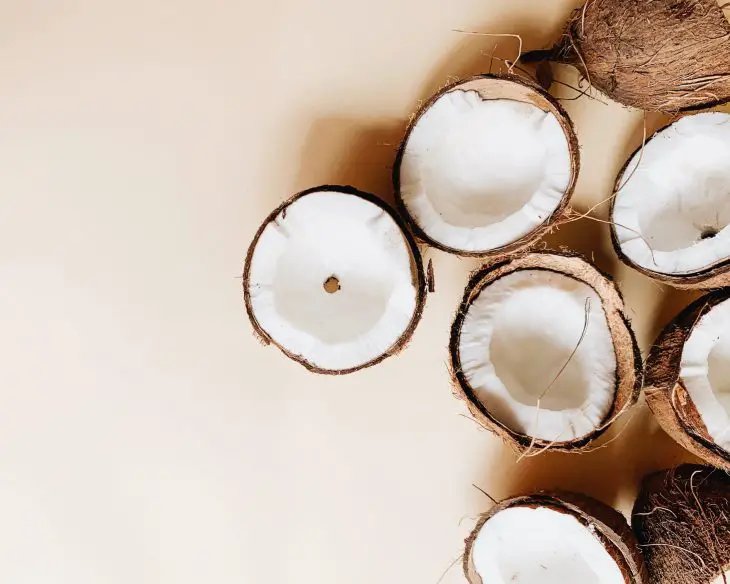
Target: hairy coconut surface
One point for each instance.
(670, 215)
(335, 280)
(658, 55)
(542, 351)
(682, 521)
(487, 165)
(687, 383)
(556, 538)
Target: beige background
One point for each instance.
(145, 436)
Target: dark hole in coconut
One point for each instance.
(331, 285)
(708, 232)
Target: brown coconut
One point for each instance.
(666, 393)
(494, 87)
(628, 365)
(393, 231)
(656, 55)
(682, 521)
(601, 521)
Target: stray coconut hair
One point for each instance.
(614, 373)
(573, 527)
(390, 231)
(682, 520)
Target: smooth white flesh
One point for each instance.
(520, 353)
(705, 371)
(323, 235)
(477, 174)
(722, 578)
(672, 211)
(525, 545)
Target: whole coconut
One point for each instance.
(657, 55)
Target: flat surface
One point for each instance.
(145, 435)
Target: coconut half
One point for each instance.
(487, 165)
(671, 211)
(682, 521)
(688, 378)
(552, 539)
(334, 279)
(543, 353)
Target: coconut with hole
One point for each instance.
(335, 280)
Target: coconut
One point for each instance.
(334, 279)
(682, 521)
(657, 55)
(688, 378)
(552, 539)
(542, 351)
(670, 214)
(487, 166)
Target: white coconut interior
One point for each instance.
(525, 545)
(479, 174)
(723, 578)
(326, 235)
(518, 353)
(705, 371)
(672, 214)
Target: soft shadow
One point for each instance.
(673, 302)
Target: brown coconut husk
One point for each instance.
(607, 524)
(629, 374)
(417, 275)
(497, 86)
(716, 275)
(665, 392)
(656, 55)
(682, 521)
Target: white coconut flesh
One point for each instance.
(536, 349)
(723, 578)
(478, 174)
(526, 545)
(705, 371)
(331, 280)
(672, 211)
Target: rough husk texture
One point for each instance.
(682, 521)
(665, 394)
(628, 356)
(498, 86)
(418, 275)
(605, 522)
(715, 276)
(657, 55)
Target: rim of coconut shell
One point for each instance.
(666, 395)
(417, 274)
(673, 495)
(604, 521)
(715, 276)
(492, 86)
(629, 371)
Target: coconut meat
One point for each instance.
(331, 280)
(540, 545)
(705, 371)
(536, 349)
(479, 174)
(672, 210)
(723, 578)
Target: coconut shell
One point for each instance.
(665, 393)
(628, 356)
(605, 522)
(656, 55)
(682, 521)
(497, 86)
(418, 279)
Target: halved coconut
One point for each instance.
(553, 539)
(543, 353)
(487, 165)
(682, 521)
(334, 279)
(688, 378)
(671, 210)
